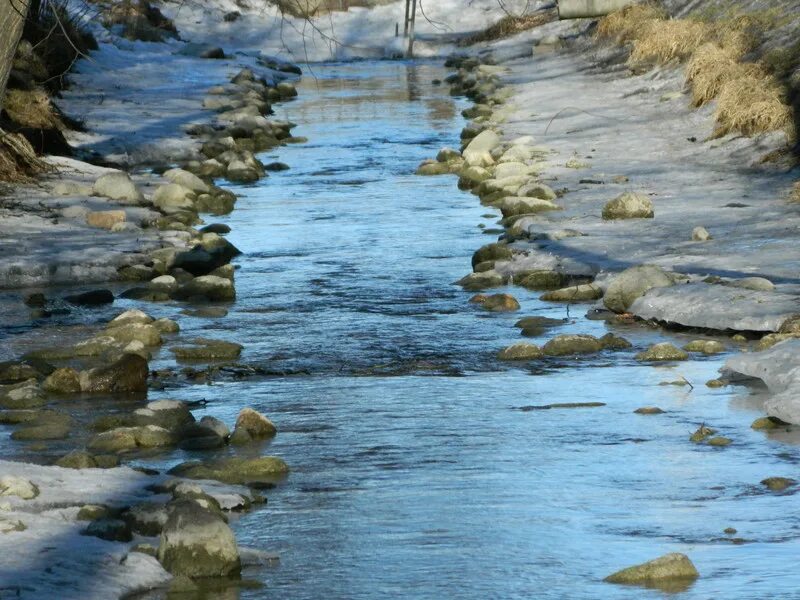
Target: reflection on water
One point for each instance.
(414, 473)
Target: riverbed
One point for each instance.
(418, 467)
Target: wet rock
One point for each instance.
(169, 414)
(446, 155)
(491, 252)
(473, 176)
(11, 485)
(25, 395)
(235, 470)
(759, 284)
(93, 512)
(208, 432)
(11, 525)
(768, 423)
(147, 549)
(496, 302)
(514, 206)
(571, 344)
(117, 186)
(173, 196)
(112, 530)
(199, 50)
(729, 531)
(207, 349)
(276, 166)
(481, 281)
(701, 434)
(218, 228)
(613, 342)
(669, 567)
(576, 293)
(778, 484)
(715, 383)
(91, 298)
(433, 168)
(477, 152)
(790, 325)
(537, 190)
(719, 441)
(632, 283)
(153, 436)
(538, 323)
(147, 334)
(629, 205)
(520, 351)
(649, 410)
(201, 260)
(662, 352)
(705, 346)
(186, 179)
(115, 440)
(240, 172)
(147, 518)
(77, 459)
(131, 317)
(196, 542)
(255, 424)
(541, 280)
(164, 283)
(105, 219)
(50, 426)
(15, 372)
(166, 326)
(15, 417)
(208, 287)
(700, 234)
(128, 374)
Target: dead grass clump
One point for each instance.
(625, 25)
(661, 42)
(18, 160)
(510, 25)
(711, 67)
(795, 194)
(31, 108)
(751, 105)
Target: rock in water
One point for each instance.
(662, 352)
(255, 424)
(11, 485)
(520, 351)
(633, 283)
(196, 542)
(117, 186)
(128, 374)
(672, 567)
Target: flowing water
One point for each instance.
(414, 472)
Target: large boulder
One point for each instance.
(169, 414)
(256, 425)
(117, 186)
(629, 205)
(128, 374)
(632, 283)
(196, 542)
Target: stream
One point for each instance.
(414, 472)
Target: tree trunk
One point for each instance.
(12, 19)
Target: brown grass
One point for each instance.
(31, 109)
(625, 25)
(711, 67)
(18, 160)
(751, 105)
(510, 25)
(795, 193)
(660, 42)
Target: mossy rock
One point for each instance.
(572, 344)
(234, 470)
(670, 567)
(768, 423)
(77, 459)
(496, 302)
(719, 441)
(778, 484)
(701, 434)
(484, 280)
(53, 426)
(492, 252)
(208, 349)
(661, 353)
(541, 280)
(577, 293)
(520, 351)
(705, 346)
(649, 410)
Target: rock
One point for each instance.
(91, 298)
(93, 512)
(130, 317)
(23, 396)
(719, 441)
(128, 374)
(613, 342)
(147, 549)
(15, 372)
(201, 261)
(202, 51)
(649, 410)
(276, 166)
(182, 585)
(669, 567)
(541, 280)
(481, 281)
(52, 426)
(117, 440)
(778, 484)
(168, 414)
(286, 89)
(208, 432)
(147, 518)
(240, 172)
(446, 155)
(715, 383)
(700, 234)
(164, 283)
(629, 205)
(186, 179)
(477, 152)
(433, 168)
(105, 219)
(112, 530)
(196, 542)
(117, 186)
(491, 252)
(208, 349)
(661, 352)
(515, 206)
(571, 344)
(759, 284)
(474, 175)
(520, 351)
(209, 287)
(767, 423)
(77, 459)
(166, 326)
(255, 424)
(11, 485)
(496, 302)
(632, 283)
(537, 190)
(705, 346)
(11, 525)
(173, 196)
(235, 470)
(576, 293)
(72, 188)
(153, 436)
(147, 334)
(701, 434)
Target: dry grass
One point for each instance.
(751, 105)
(711, 67)
(625, 25)
(794, 196)
(31, 109)
(18, 160)
(660, 42)
(510, 25)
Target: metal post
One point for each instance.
(405, 22)
(411, 29)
